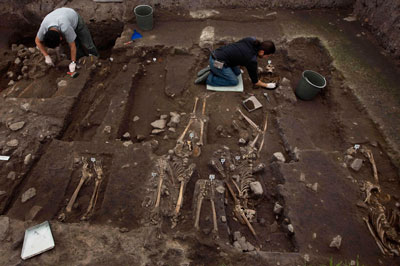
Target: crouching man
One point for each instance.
(65, 23)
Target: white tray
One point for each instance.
(37, 240)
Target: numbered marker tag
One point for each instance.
(153, 174)
(237, 158)
(211, 177)
(191, 135)
(357, 146)
(269, 62)
(222, 160)
(93, 159)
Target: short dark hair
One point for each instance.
(51, 39)
(268, 47)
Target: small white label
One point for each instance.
(93, 159)
(237, 157)
(153, 174)
(357, 146)
(222, 160)
(191, 135)
(211, 177)
(4, 158)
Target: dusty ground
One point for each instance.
(68, 121)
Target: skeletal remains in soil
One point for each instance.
(85, 178)
(173, 175)
(384, 225)
(206, 190)
(192, 137)
(228, 167)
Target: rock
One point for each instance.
(336, 242)
(28, 159)
(24, 69)
(237, 235)
(10, 74)
(140, 138)
(107, 129)
(125, 166)
(362, 204)
(127, 143)
(12, 143)
(160, 124)
(350, 18)
(351, 151)
(17, 126)
(25, 106)
(278, 156)
(302, 177)
(285, 91)
(157, 131)
(163, 117)
(30, 193)
(290, 228)
(256, 188)
(124, 68)
(126, 135)
(11, 175)
(62, 84)
(306, 258)
(220, 189)
(17, 61)
(11, 83)
(315, 187)
(172, 129)
(135, 118)
(243, 243)
(32, 213)
(223, 219)
(19, 77)
(4, 227)
(124, 230)
(2, 192)
(356, 164)
(314, 235)
(175, 117)
(278, 208)
(32, 50)
(242, 141)
(237, 245)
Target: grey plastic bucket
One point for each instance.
(310, 84)
(144, 17)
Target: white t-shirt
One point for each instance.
(64, 19)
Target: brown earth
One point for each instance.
(133, 85)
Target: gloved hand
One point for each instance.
(271, 85)
(72, 67)
(48, 60)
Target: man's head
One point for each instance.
(266, 48)
(52, 38)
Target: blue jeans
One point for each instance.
(227, 76)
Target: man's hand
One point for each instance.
(48, 60)
(72, 67)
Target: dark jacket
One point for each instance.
(241, 53)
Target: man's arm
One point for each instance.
(72, 47)
(41, 47)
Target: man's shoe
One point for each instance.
(204, 70)
(202, 79)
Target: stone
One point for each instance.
(237, 245)
(126, 135)
(278, 208)
(250, 247)
(11, 83)
(160, 124)
(243, 243)
(336, 242)
(172, 129)
(136, 118)
(290, 228)
(30, 193)
(28, 159)
(302, 177)
(32, 50)
(107, 129)
(278, 156)
(4, 227)
(127, 143)
(157, 131)
(237, 235)
(62, 84)
(256, 187)
(175, 117)
(356, 164)
(25, 106)
(11, 175)
(124, 68)
(17, 61)
(10, 74)
(223, 219)
(163, 117)
(12, 143)
(315, 187)
(140, 138)
(124, 230)
(24, 69)
(2, 192)
(17, 126)
(33, 212)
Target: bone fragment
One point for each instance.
(251, 123)
(378, 242)
(198, 210)
(263, 135)
(370, 157)
(95, 195)
(180, 199)
(85, 175)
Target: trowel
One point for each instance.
(73, 74)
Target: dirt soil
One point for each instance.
(144, 144)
